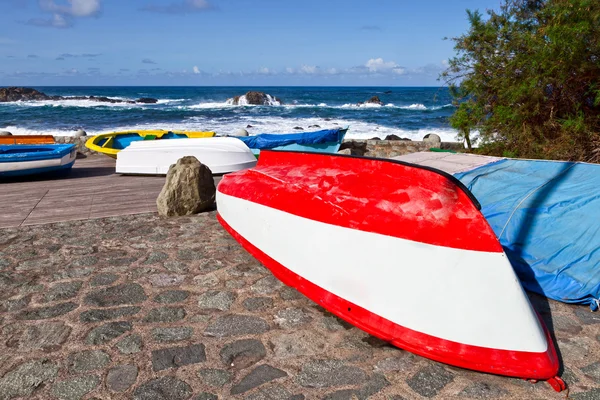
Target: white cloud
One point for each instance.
(308, 69)
(196, 70)
(74, 8)
(379, 66)
(63, 14)
(445, 63)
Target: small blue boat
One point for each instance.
(17, 160)
(324, 141)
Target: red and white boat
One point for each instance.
(399, 250)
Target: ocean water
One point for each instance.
(409, 112)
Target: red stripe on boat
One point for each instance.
(529, 365)
(371, 195)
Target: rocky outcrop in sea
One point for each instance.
(373, 100)
(11, 94)
(255, 98)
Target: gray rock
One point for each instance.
(75, 388)
(273, 392)
(258, 376)
(592, 371)
(47, 312)
(14, 304)
(173, 334)
(242, 353)
(289, 293)
(190, 255)
(63, 291)
(433, 140)
(171, 296)
(88, 360)
(108, 314)
(175, 357)
(164, 314)
(189, 189)
(156, 257)
(587, 316)
(130, 345)
(593, 394)
(344, 394)
(121, 377)
(565, 324)
(267, 285)
(215, 300)
(79, 133)
(483, 390)
(23, 380)
(5, 133)
(214, 377)
(107, 332)
(428, 381)
(128, 293)
(46, 336)
(258, 303)
(206, 396)
(103, 279)
(163, 280)
(176, 266)
(235, 283)
(236, 325)
(73, 273)
(402, 363)
(346, 151)
(292, 318)
(328, 373)
(165, 388)
(299, 343)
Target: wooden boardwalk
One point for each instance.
(90, 190)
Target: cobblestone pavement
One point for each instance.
(148, 308)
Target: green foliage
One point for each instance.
(527, 78)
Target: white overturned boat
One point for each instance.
(154, 157)
(399, 250)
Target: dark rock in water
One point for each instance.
(255, 98)
(374, 100)
(147, 100)
(388, 92)
(314, 126)
(298, 128)
(5, 133)
(249, 126)
(21, 94)
(375, 138)
(28, 94)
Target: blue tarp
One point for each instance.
(271, 140)
(32, 152)
(547, 217)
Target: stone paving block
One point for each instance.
(242, 353)
(75, 388)
(174, 357)
(121, 377)
(128, 293)
(258, 376)
(165, 388)
(428, 381)
(24, 379)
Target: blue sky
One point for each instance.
(229, 42)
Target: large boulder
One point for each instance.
(433, 140)
(189, 189)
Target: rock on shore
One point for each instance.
(11, 94)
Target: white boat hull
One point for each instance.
(222, 155)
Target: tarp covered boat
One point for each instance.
(220, 154)
(323, 141)
(545, 214)
(418, 258)
(19, 159)
(112, 143)
(27, 139)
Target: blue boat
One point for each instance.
(17, 160)
(324, 141)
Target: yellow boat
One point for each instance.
(111, 143)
